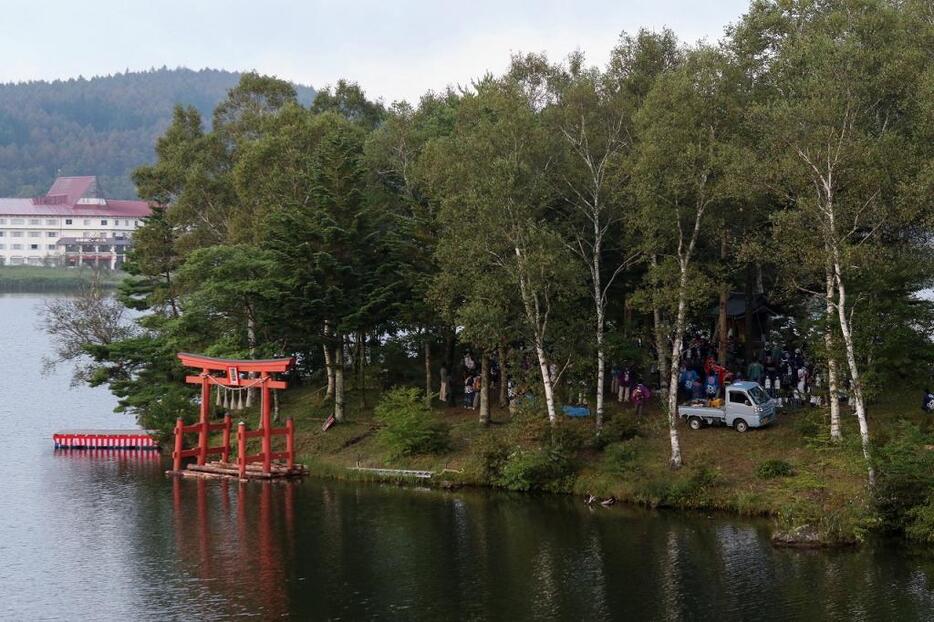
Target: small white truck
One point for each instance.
(746, 405)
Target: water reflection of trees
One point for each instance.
(322, 550)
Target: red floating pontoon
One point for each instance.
(104, 439)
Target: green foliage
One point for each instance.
(770, 469)
(547, 469)
(409, 427)
(490, 453)
(845, 523)
(920, 524)
(349, 101)
(685, 490)
(906, 480)
(620, 458)
(620, 427)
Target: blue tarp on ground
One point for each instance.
(576, 411)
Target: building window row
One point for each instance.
(53, 222)
(54, 234)
(32, 247)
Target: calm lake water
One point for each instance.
(86, 536)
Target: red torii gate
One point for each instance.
(232, 368)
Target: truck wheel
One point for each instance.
(740, 425)
(695, 423)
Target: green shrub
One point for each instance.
(568, 436)
(920, 524)
(771, 469)
(684, 491)
(906, 479)
(528, 426)
(687, 492)
(833, 524)
(619, 458)
(488, 457)
(408, 424)
(536, 469)
(618, 428)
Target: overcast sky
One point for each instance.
(395, 49)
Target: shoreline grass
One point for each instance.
(36, 279)
(789, 472)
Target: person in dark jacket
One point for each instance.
(640, 395)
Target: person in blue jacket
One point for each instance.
(712, 386)
(686, 381)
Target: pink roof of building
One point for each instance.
(74, 196)
(72, 188)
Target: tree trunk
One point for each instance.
(601, 365)
(546, 381)
(660, 353)
(449, 363)
(675, 461)
(748, 294)
(251, 343)
(856, 391)
(600, 310)
(339, 380)
(428, 387)
(627, 316)
(361, 356)
(832, 395)
(537, 321)
(485, 389)
(503, 378)
(724, 298)
(328, 362)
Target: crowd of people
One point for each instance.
(472, 380)
(785, 373)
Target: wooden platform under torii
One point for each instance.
(238, 374)
(219, 469)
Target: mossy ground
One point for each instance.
(827, 487)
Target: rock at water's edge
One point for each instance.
(805, 536)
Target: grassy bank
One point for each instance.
(789, 471)
(41, 278)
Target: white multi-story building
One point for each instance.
(72, 225)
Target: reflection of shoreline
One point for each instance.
(239, 555)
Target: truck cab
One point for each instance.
(745, 405)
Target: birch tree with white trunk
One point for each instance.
(635, 64)
(593, 119)
(492, 177)
(684, 166)
(838, 137)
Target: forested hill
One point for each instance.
(104, 126)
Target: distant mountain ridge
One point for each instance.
(104, 126)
